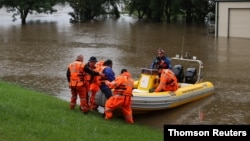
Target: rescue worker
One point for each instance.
(76, 76)
(168, 81)
(109, 75)
(91, 74)
(161, 61)
(123, 86)
(94, 86)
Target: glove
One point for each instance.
(151, 90)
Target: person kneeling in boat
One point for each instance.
(121, 98)
(168, 81)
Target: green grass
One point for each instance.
(27, 115)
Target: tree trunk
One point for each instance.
(24, 14)
(168, 10)
(23, 21)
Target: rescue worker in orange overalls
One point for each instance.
(94, 85)
(121, 98)
(76, 76)
(91, 74)
(168, 81)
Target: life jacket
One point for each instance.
(102, 78)
(77, 74)
(162, 63)
(169, 76)
(96, 80)
(168, 81)
(98, 65)
(123, 84)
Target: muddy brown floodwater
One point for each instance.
(36, 56)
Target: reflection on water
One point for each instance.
(36, 56)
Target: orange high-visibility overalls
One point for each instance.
(77, 85)
(121, 98)
(94, 86)
(168, 81)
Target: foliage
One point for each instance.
(140, 7)
(157, 8)
(115, 10)
(25, 7)
(200, 10)
(170, 10)
(85, 10)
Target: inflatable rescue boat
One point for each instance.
(191, 87)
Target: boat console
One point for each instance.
(149, 78)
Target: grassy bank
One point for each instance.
(34, 116)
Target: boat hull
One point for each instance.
(143, 101)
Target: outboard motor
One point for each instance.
(179, 73)
(191, 75)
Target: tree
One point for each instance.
(85, 10)
(170, 10)
(25, 7)
(139, 7)
(115, 10)
(157, 10)
(201, 9)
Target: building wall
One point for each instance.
(233, 19)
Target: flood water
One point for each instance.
(36, 56)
